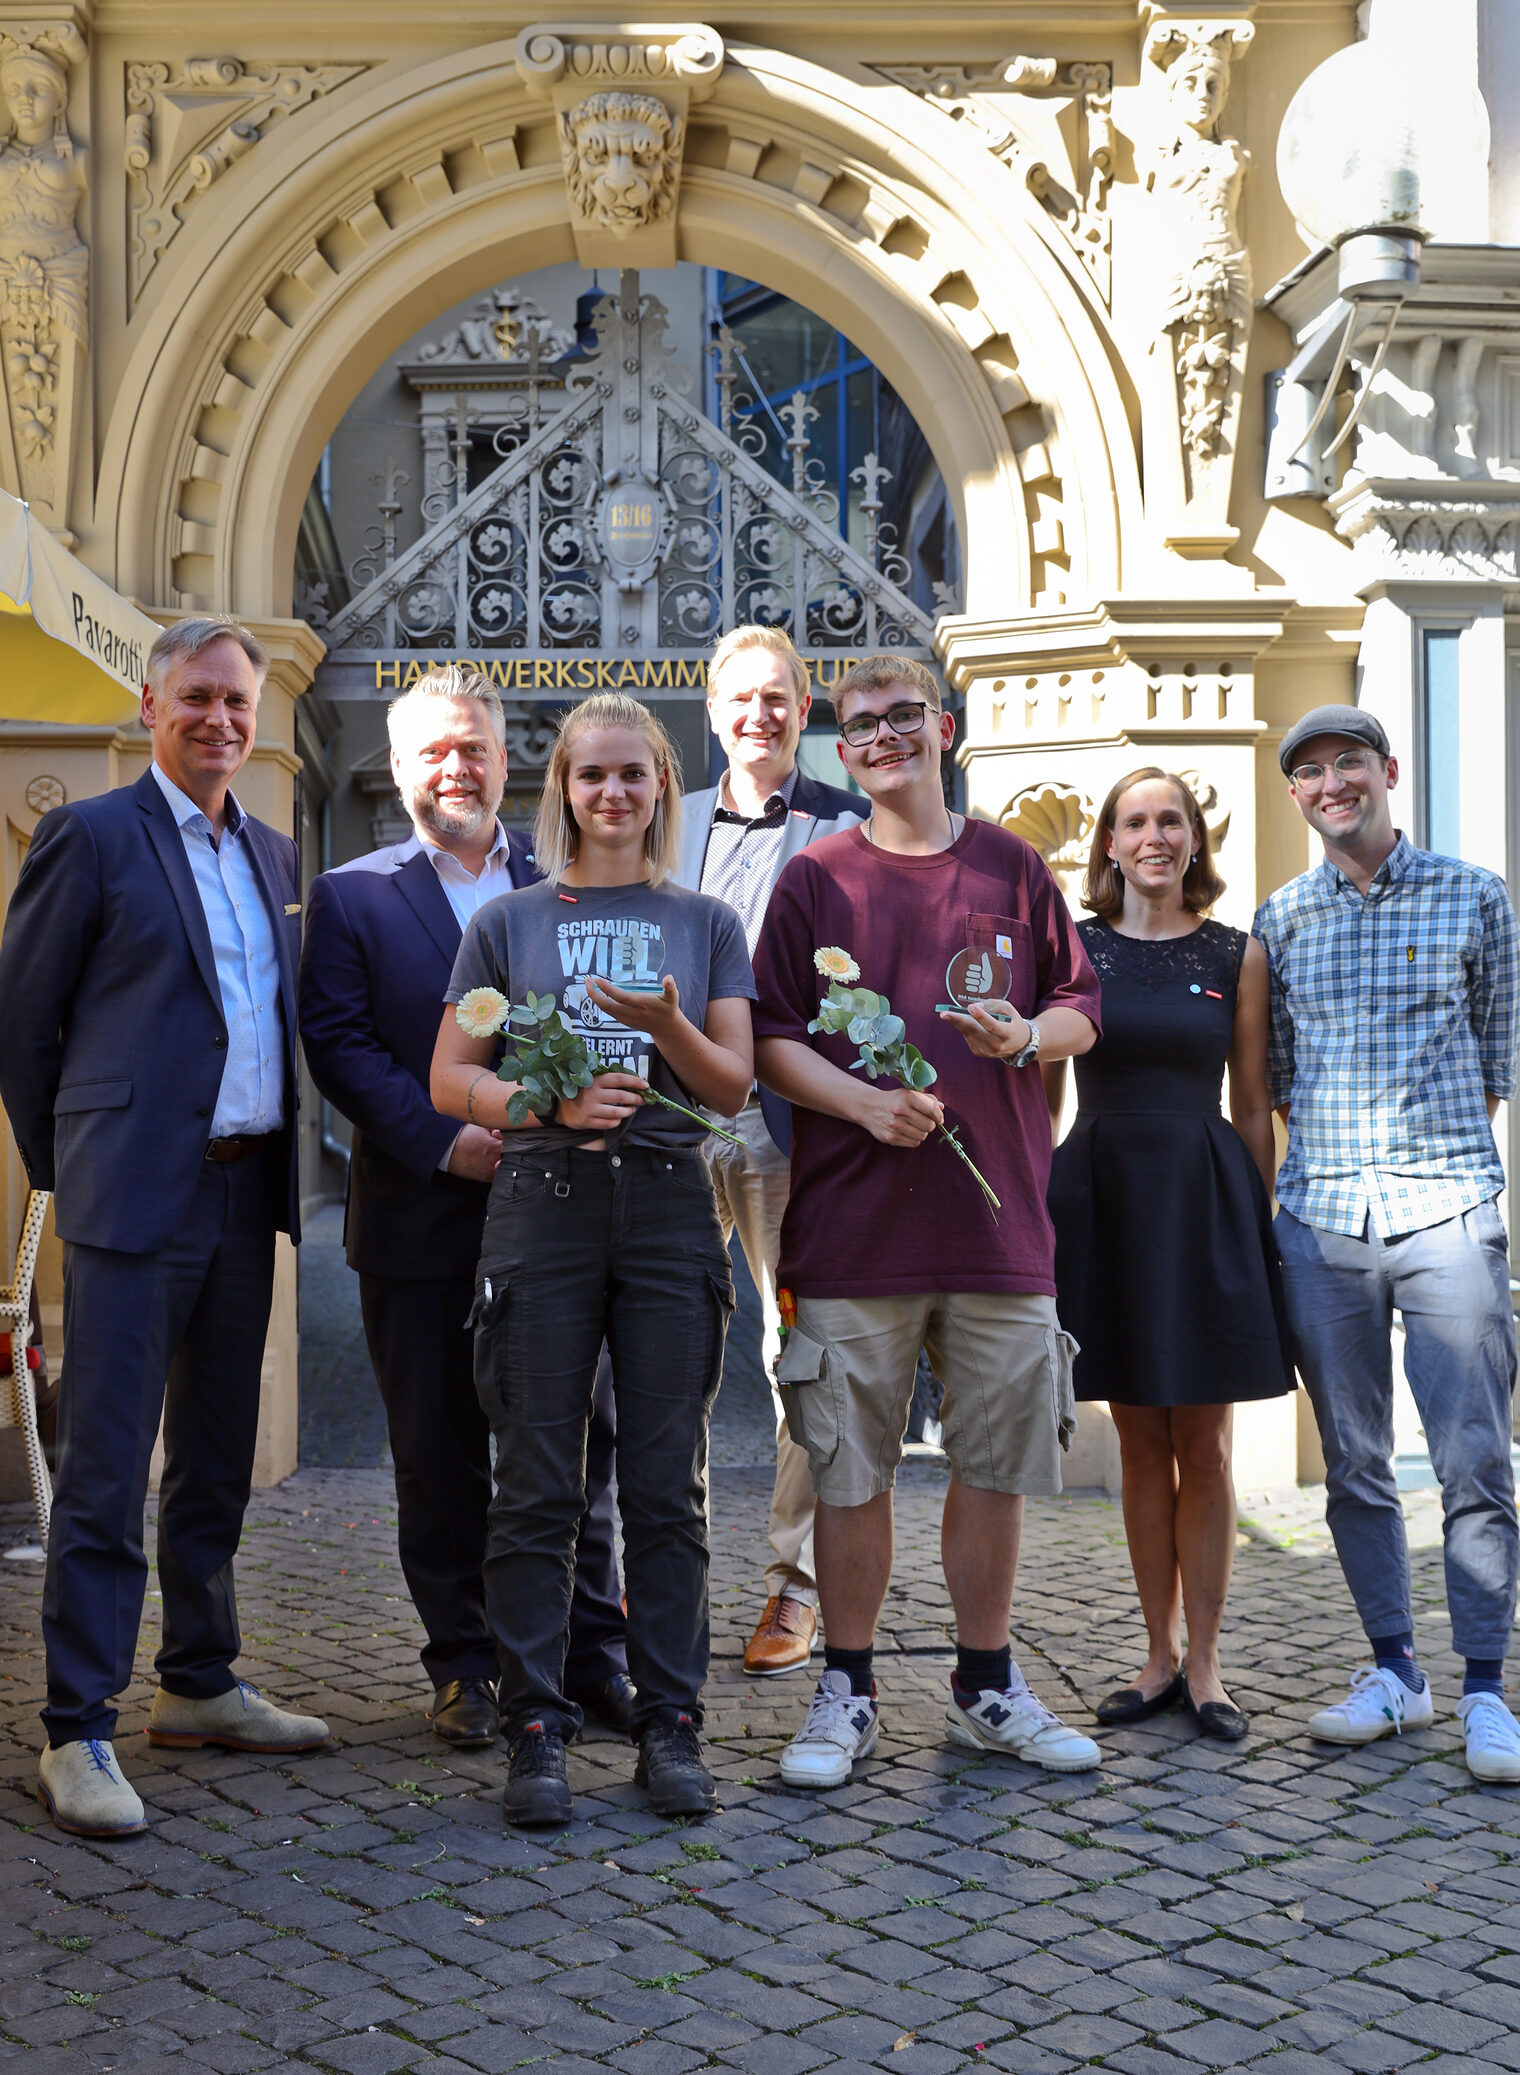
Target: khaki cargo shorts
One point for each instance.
(846, 1376)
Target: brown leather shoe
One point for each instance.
(783, 1639)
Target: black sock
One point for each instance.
(1484, 1675)
(1395, 1654)
(983, 1671)
(855, 1664)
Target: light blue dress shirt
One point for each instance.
(251, 1099)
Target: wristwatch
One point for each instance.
(1031, 1051)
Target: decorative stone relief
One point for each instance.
(1207, 795)
(1202, 317)
(1074, 196)
(620, 106)
(1058, 821)
(46, 792)
(187, 123)
(44, 267)
(503, 327)
(1418, 540)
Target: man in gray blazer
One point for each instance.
(736, 837)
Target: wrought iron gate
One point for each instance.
(623, 524)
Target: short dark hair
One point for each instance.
(1103, 883)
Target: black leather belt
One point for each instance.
(225, 1150)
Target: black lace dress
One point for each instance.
(1166, 1271)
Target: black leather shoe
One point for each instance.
(1217, 1718)
(464, 1714)
(537, 1791)
(610, 1700)
(670, 1766)
(1129, 1704)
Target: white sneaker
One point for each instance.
(1493, 1737)
(841, 1726)
(1023, 1727)
(1379, 1704)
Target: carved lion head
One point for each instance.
(621, 153)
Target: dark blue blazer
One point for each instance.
(112, 1039)
(380, 945)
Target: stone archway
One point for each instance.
(423, 185)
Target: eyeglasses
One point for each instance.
(907, 718)
(1351, 763)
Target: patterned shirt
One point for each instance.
(744, 856)
(1393, 1016)
(251, 1099)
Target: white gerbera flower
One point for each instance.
(481, 1012)
(836, 964)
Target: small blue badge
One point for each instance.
(1195, 988)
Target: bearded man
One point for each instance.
(381, 936)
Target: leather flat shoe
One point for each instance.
(1216, 1718)
(610, 1700)
(1128, 1704)
(464, 1714)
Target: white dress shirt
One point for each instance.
(465, 893)
(251, 1099)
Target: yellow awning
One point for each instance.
(70, 648)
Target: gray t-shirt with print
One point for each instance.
(548, 938)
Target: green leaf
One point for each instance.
(518, 1014)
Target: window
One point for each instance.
(1441, 744)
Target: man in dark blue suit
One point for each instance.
(381, 937)
(735, 838)
(147, 1065)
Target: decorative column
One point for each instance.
(1195, 303)
(44, 263)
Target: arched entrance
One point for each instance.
(424, 185)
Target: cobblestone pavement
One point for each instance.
(1277, 1905)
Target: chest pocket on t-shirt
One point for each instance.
(1005, 937)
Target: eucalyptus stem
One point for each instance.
(948, 1134)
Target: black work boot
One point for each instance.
(670, 1766)
(464, 1713)
(537, 1790)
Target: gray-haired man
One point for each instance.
(147, 1066)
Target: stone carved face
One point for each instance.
(1198, 84)
(620, 160)
(34, 95)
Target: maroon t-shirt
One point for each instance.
(868, 1220)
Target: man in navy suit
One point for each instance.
(147, 1065)
(736, 836)
(381, 937)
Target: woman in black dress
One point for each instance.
(1165, 1269)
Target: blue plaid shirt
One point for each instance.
(1392, 1017)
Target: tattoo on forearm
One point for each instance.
(469, 1094)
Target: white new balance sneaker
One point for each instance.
(841, 1726)
(1016, 1723)
(1493, 1738)
(1379, 1704)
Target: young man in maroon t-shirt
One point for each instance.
(888, 1244)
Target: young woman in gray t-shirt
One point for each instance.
(602, 1224)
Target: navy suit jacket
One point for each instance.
(112, 1039)
(380, 945)
(817, 810)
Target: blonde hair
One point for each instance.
(774, 639)
(448, 681)
(1103, 883)
(556, 834)
(875, 673)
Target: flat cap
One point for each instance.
(1354, 722)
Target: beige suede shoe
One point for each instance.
(82, 1789)
(239, 1720)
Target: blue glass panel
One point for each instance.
(1442, 745)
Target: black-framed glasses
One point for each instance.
(1351, 763)
(905, 718)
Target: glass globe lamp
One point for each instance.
(1371, 150)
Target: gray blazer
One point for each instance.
(817, 810)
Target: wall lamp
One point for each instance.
(1358, 149)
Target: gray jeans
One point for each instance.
(1451, 1284)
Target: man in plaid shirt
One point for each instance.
(1395, 977)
